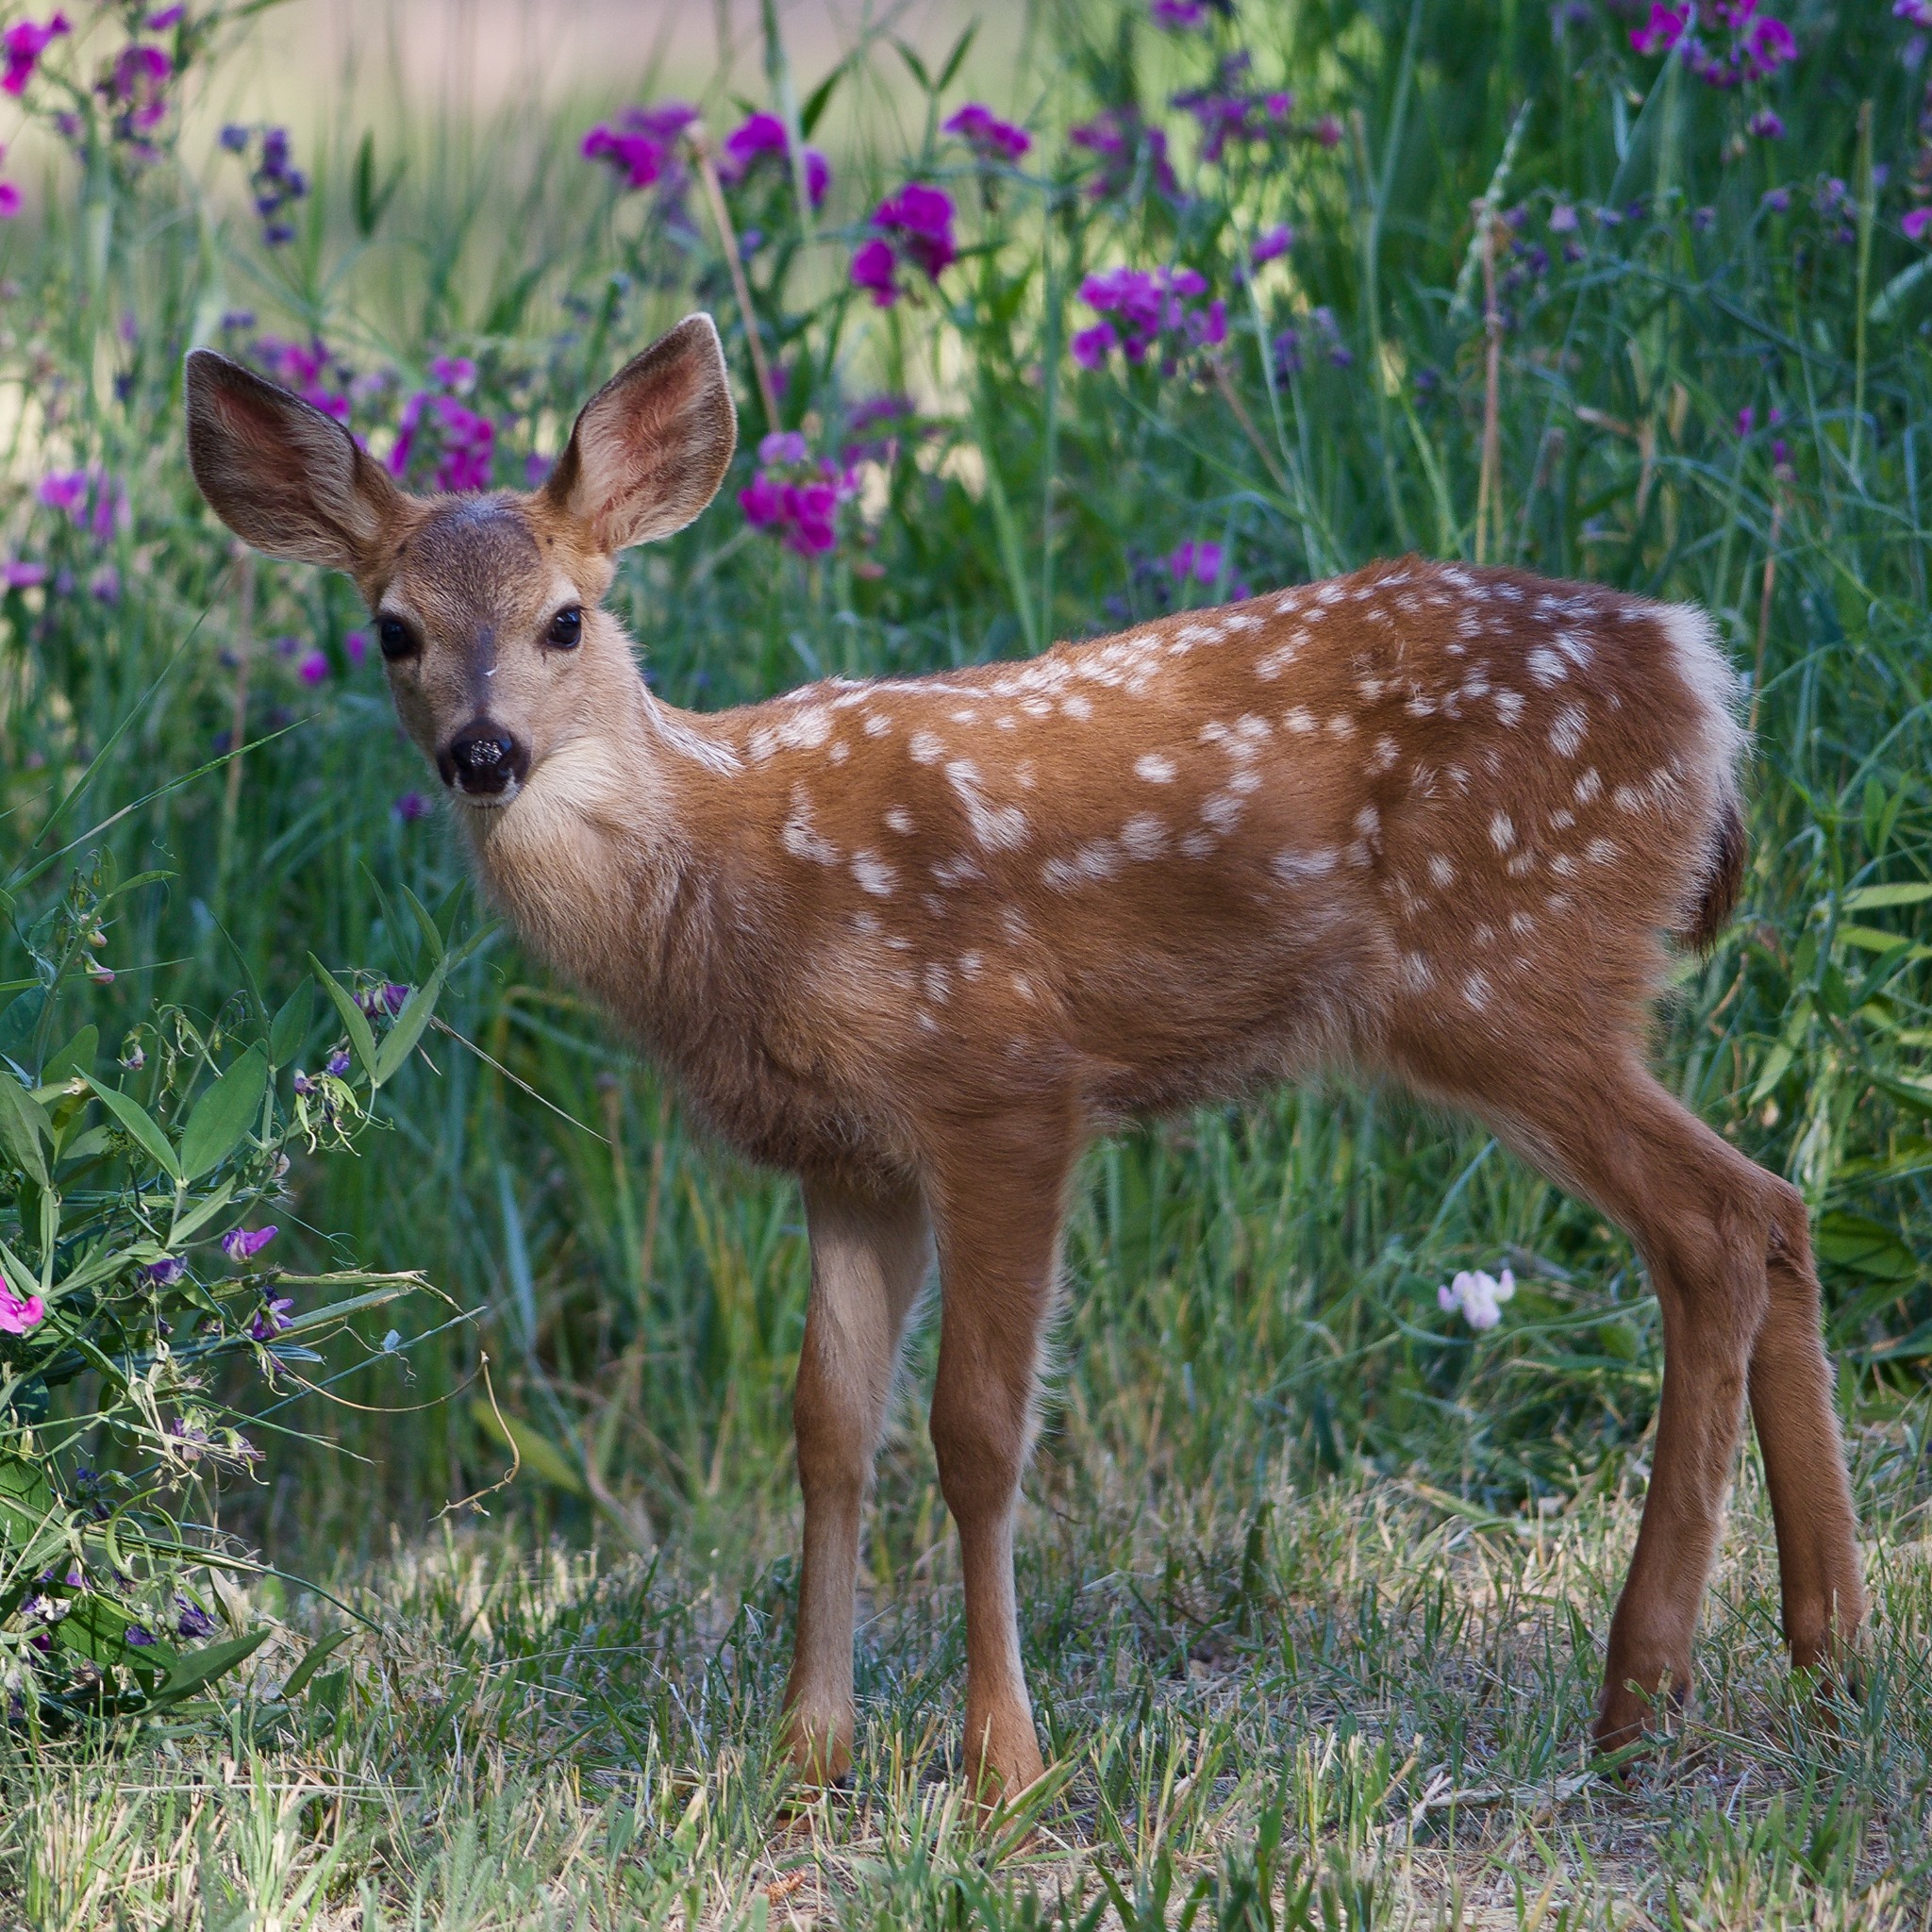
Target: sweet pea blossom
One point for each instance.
(761, 136)
(243, 1243)
(640, 145)
(272, 1319)
(917, 228)
(1272, 242)
(20, 47)
(1748, 45)
(1142, 305)
(19, 1313)
(794, 498)
(986, 135)
(1118, 138)
(1917, 224)
(1479, 1296)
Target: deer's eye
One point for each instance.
(566, 628)
(397, 638)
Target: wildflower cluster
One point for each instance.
(1725, 43)
(131, 1239)
(21, 46)
(1231, 112)
(795, 497)
(440, 433)
(990, 138)
(273, 179)
(1122, 142)
(915, 228)
(639, 147)
(1145, 310)
(759, 146)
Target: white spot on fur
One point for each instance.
(999, 828)
(1502, 833)
(1546, 667)
(1154, 769)
(878, 724)
(1522, 924)
(1509, 707)
(1601, 851)
(1475, 990)
(806, 730)
(1295, 868)
(1341, 725)
(1074, 705)
(1418, 975)
(1562, 819)
(1588, 786)
(926, 748)
(1299, 720)
(801, 838)
(1384, 755)
(1566, 730)
(1223, 810)
(1143, 836)
(874, 874)
(900, 820)
(1200, 844)
(1441, 872)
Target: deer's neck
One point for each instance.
(588, 860)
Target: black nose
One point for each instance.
(483, 758)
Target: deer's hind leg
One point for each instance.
(869, 1255)
(1723, 1244)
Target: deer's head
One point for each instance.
(485, 606)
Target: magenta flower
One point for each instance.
(64, 490)
(312, 668)
(1766, 125)
(763, 136)
(1178, 16)
(137, 85)
(1917, 223)
(356, 645)
(166, 1271)
(243, 1243)
(1665, 27)
(1142, 305)
(636, 157)
(986, 135)
(300, 366)
(1118, 138)
(163, 18)
(455, 373)
(408, 808)
(21, 46)
(23, 577)
(18, 1313)
(9, 198)
(1201, 562)
(795, 499)
(918, 228)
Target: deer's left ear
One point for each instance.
(653, 444)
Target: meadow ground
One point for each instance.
(1315, 1573)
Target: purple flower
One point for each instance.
(163, 18)
(64, 490)
(21, 46)
(1563, 218)
(243, 1243)
(303, 1083)
(1201, 562)
(140, 1636)
(272, 1319)
(764, 135)
(1178, 16)
(1665, 27)
(191, 1621)
(1275, 242)
(388, 998)
(10, 197)
(23, 577)
(137, 85)
(313, 668)
(410, 806)
(918, 227)
(356, 645)
(455, 373)
(1747, 420)
(876, 267)
(1917, 223)
(986, 135)
(1778, 200)
(641, 145)
(1143, 306)
(783, 446)
(1093, 347)
(1118, 138)
(166, 1271)
(801, 507)
(337, 1063)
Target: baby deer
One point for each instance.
(918, 940)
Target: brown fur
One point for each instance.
(918, 940)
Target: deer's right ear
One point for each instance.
(287, 479)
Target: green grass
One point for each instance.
(1252, 1320)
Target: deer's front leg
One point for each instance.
(869, 1255)
(998, 1213)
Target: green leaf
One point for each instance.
(914, 65)
(76, 1056)
(401, 1039)
(318, 1655)
(19, 1022)
(354, 1020)
(820, 99)
(432, 933)
(200, 1668)
(205, 1211)
(140, 1125)
(1864, 1248)
(224, 1114)
(23, 1124)
(1869, 899)
(289, 1026)
(538, 1452)
(957, 57)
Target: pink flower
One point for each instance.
(21, 46)
(19, 1313)
(160, 20)
(139, 82)
(9, 201)
(918, 225)
(986, 135)
(636, 157)
(313, 668)
(876, 267)
(1917, 223)
(1479, 1297)
(1093, 347)
(23, 577)
(1770, 44)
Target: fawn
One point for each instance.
(918, 940)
